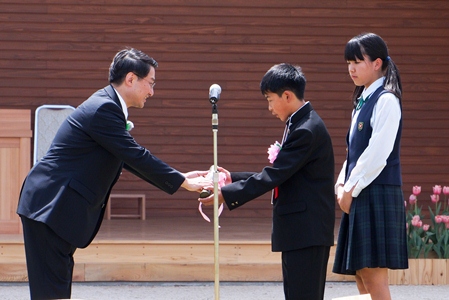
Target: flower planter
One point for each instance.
(429, 239)
(422, 271)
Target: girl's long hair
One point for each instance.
(374, 47)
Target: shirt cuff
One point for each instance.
(349, 185)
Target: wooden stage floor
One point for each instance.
(188, 229)
(185, 229)
(176, 229)
(182, 249)
(166, 249)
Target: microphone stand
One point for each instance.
(216, 179)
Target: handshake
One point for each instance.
(210, 176)
(202, 182)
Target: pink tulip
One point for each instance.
(416, 220)
(437, 189)
(416, 190)
(438, 219)
(425, 227)
(435, 198)
(446, 190)
(412, 199)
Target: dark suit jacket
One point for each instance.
(69, 188)
(304, 211)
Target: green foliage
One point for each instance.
(423, 238)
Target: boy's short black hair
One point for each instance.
(284, 77)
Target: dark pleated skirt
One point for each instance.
(373, 235)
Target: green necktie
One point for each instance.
(361, 102)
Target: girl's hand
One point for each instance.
(344, 199)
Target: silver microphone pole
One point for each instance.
(214, 95)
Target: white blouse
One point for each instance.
(385, 123)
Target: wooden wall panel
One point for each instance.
(15, 136)
(58, 52)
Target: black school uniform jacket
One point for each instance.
(304, 210)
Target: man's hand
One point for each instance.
(225, 179)
(194, 174)
(196, 182)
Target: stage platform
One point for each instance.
(167, 249)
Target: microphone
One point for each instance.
(214, 93)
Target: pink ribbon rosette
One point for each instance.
(273, 151)
(221, 182)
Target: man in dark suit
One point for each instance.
(64, 196)
(302, 180)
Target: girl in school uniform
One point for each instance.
(372, 237)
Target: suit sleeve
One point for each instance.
(108, 129)
(236, 176)
(294, 155)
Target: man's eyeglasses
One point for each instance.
(152, 84)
